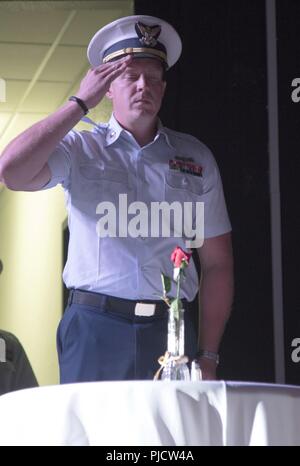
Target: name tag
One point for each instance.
(144, 309)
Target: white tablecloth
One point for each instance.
(144, 413)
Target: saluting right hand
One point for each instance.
(96, 82)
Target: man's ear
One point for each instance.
(164, 88)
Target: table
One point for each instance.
(142, 413)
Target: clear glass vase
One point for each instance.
(176, 367)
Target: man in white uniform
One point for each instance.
(115, 326)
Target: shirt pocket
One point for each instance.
(183, 187)
(187, 190)
(102, 183)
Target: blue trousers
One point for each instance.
(94, 345)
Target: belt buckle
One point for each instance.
(144, 309)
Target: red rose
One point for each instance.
(180, 257)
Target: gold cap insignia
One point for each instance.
(147, 34)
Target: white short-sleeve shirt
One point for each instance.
(111, 183)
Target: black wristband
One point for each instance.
(80, 103)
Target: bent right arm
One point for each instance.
(23, 163)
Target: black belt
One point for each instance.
(125, 308)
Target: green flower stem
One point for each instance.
(178, 286)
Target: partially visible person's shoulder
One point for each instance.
(12, 344)
(7, 336)
(11, 340)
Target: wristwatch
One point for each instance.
(208, 355)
